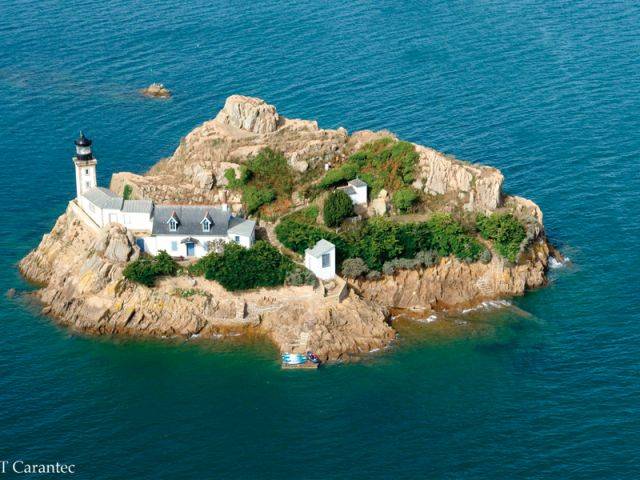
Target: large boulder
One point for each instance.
(116, 243)
(248, 113)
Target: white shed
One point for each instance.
(321, 260)
(357, 191)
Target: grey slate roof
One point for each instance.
(103, 198)
(323, 246)
(356, 182)
(138, 206)
(348, 190)
(240, 226)
(189, 218)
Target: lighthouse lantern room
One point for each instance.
(85, 165)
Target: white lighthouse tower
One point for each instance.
(85, 165)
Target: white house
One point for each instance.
(357, 191)
(188, 230)
(321, 259)
(180, 230)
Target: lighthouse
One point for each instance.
(85, 165)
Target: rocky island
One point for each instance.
(397, 225)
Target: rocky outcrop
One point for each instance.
(246, 125)
(479, 188)
(195, 171)
(250, 114)
(84, 289)
(156, 90)
(454, 284)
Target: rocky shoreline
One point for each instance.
(80, 268)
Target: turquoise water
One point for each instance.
(549, 92)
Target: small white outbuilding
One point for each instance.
(357, 191)
(321, 260)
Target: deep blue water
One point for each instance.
(547, 91)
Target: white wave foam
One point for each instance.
(488, 305)
(555, 263)
(429, 319)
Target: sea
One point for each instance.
(544, 386)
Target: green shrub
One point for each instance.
(127, 192)
(377, 242)
(145, 270)
(164, 264)
(238, 268)
(237, 182)
(404, 199)
(299, 236)
(427, 258)
(505, 231)
(380, 240)
(374, 275)
(448, 237)
(254, 197)
(485, 256)
(354, 267)
(392, 266)
(300, 276)
(337, 207)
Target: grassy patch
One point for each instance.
(265, 178)
(384, 163)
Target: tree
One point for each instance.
(337, 207)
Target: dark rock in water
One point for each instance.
(156, 90)
(11, 293)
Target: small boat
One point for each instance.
(293, 358)
(312, 357)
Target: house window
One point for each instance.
(236, 239)
(326, 260)
(206, 226)
(173, 225)
(174, 246)
(86, 171)
(87, 184)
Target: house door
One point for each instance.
(191, 249)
